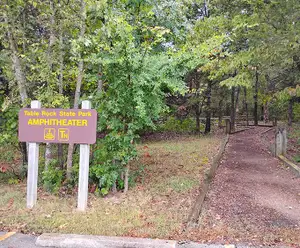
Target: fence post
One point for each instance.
(228, 126)
(83, 170)
(284, 142)
(33, 166)
(278, 143)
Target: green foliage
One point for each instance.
(297, 112)
(297, 158)
(52, 177)
(9, 127)
(141, 52)
(110, 156)
(75, 170)
(175, 125)
(7, 155)
(13, 181)
(50, 98)
(124, 45)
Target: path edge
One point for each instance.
(90, 241)
(290, 164)
(204, 187)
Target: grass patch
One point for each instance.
(156, 206)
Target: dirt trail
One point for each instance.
(253, 196)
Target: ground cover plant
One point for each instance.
(165, 182)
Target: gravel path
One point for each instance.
(253, 197)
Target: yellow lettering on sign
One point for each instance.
(58, 122)
(65, 113)
(84, 123)
(63, 134)
(31, 113)
(81, 113)
(48, 113)
(34, 122)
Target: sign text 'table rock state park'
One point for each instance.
(58, 125)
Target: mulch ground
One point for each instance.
(253, 199)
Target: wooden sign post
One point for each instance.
(281, 142)
(75, 126)
(84, 170)
(33, 167)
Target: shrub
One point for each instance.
(52, 177)
(176, 125)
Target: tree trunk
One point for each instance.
(198, 105)
(262, 112)
(198, 112)
(61, 61)
(60, 151)
(78, 88)
(208, 108)
(60, 156)
(48, 155)
(23, 148)
(246, 106)
(100, 82)
(48, 152)
(290, 112)
(255, 98)
(220, 113)
(17, 68)
(114, 188)
(126, 179)
(266, 112)
(232, 112)
(236, 104)
(237, 101)
(20, 77)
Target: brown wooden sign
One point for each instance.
(58, 125)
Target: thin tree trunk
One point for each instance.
(232, 112)
(60, 151)
(237, 100)
(236, 104)
(266, 112)
(262, 112)
(290, 112)
(255, 98)
(114, 188)
(78, 88)
(20, 77)
(208, 108)
(48, 155)
(100, 82)
(246, 106)
(198, 113)
(48, 152)
(17, 67)
(61, 61)
(24, 24)
(220, 113)
(23, 148)
(126, 179)
(197, 105)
